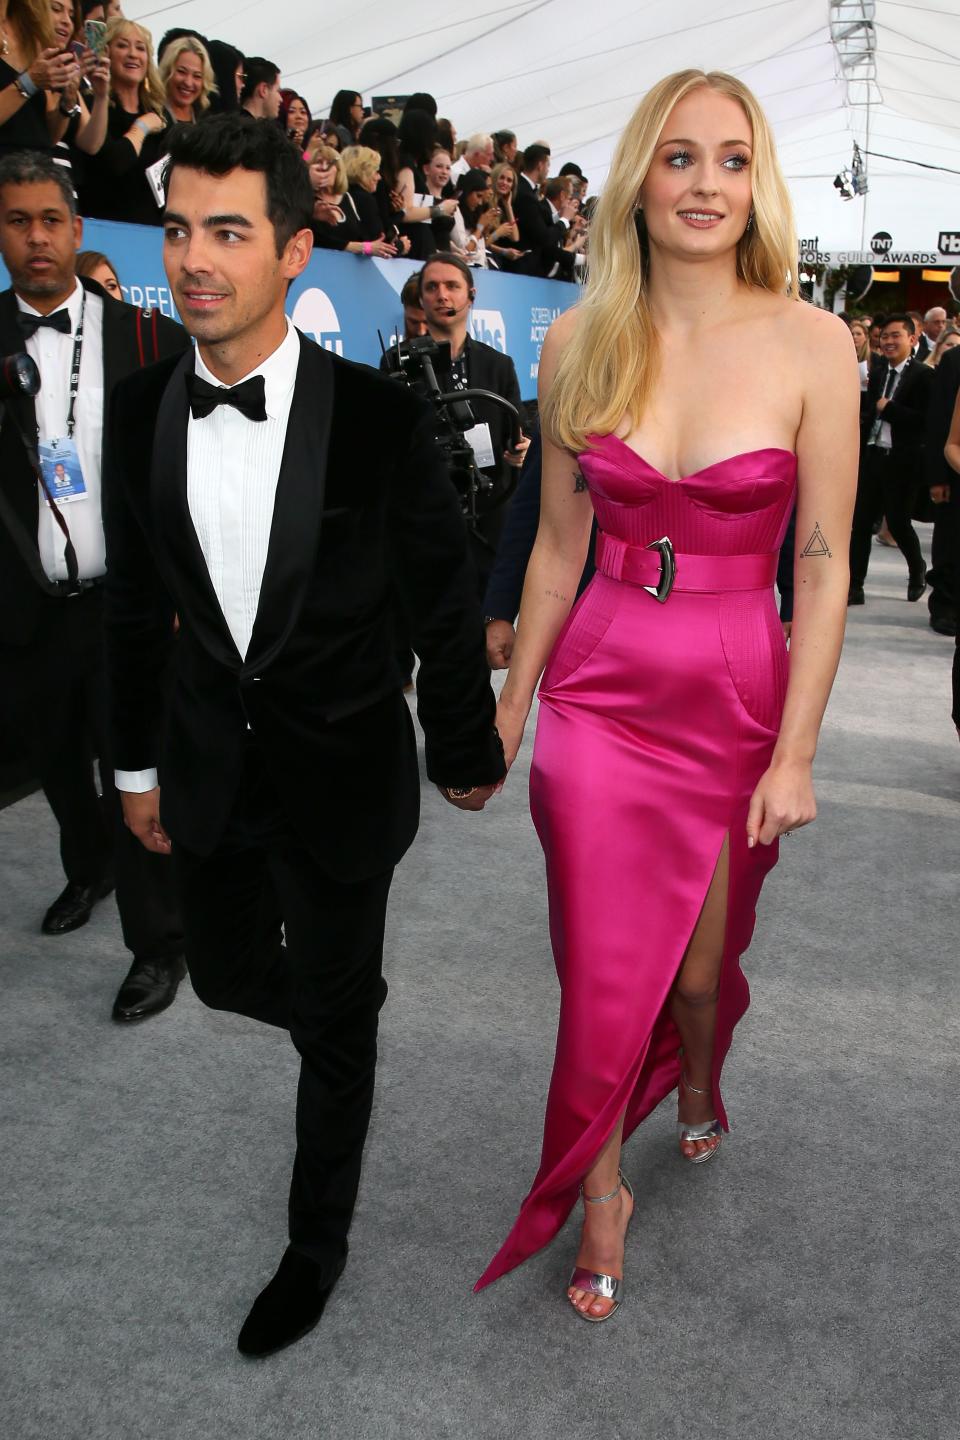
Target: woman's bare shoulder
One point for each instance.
(816, 329)
(562, 329)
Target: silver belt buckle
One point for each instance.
(668, 569)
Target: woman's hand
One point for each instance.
(54, 69)
(382, 249)
(782, 802)
(510, 724)
(99, 77)
(327, 211)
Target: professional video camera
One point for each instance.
(416, 362)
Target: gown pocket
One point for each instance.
(756, 654)
(585, 627)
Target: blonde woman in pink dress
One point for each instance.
(687, 402)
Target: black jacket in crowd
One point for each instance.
(363, 508)
(906, 413)
(943, 398)
(540, 235)
(131, 338)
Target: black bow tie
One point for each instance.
(249, 397)
(59, 320)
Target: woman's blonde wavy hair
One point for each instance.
(150, 90)
(609, 368)
(189, 45)
(360, 163)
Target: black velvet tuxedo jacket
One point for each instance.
(363, 508)
(906, 412)
(21, 592)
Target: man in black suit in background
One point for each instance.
(52, 683)
(543, 238)
(282, 497)
(892, 422)
(944, 486)
(447, 295)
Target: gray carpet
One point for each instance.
(802, 1286)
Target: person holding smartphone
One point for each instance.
(115, 184)
(34, 65)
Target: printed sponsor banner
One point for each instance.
(342, 300)
(882, 251)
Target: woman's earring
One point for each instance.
(750, 221)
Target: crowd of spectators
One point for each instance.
(80, 80)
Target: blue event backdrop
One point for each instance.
(342, 300)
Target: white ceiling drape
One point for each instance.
(570, 74)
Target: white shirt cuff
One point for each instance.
(137, 782)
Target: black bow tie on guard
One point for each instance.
(249, 397)
(30, 324)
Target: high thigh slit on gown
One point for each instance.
(656, 721)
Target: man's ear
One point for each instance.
(297, 254)
(77, 232)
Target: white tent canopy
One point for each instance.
(570, 74)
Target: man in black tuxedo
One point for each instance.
(944, 573)
(52, 683)
(892, 422)
(542, 237)
(282, 497)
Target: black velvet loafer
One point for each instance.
(288, 1308)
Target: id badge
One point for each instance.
(154, 174)
(60, 464)
(478, 438)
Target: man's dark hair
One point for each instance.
(257, 71)
(533, 155)
(572, 169)
(901, 318)
(422, 100)
(441, 257)
(179, 34)
(33, 167)
(236, 141)
(410, 294)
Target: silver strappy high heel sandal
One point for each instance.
(606, 1287)
(709, 1130)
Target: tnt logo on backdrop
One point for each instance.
(489, 327)
(314, 315)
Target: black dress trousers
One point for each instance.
(887, 485)
(269, 935)
(53, 698)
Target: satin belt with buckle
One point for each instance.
(659, 569)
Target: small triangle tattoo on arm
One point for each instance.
(817, 545)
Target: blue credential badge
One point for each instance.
(60, 464)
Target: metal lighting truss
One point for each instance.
(854, 39)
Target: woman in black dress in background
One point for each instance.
(115, 185)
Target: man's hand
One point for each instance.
(500, 638)
(515, 455)
(882, 404)
(474, 801)
(141, 814)
(940, 494)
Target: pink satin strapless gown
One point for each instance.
(656, 721)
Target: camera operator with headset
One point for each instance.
(447, 294)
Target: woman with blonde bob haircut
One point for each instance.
(687, 402)
(187, 78)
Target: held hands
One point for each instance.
(141, 815)
(940, 494)
(783, 801)
(474, 801)
(500, 638)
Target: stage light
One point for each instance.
(844, 183)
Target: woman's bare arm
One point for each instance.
(827, 454)
(951, 451)
(556, 561)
